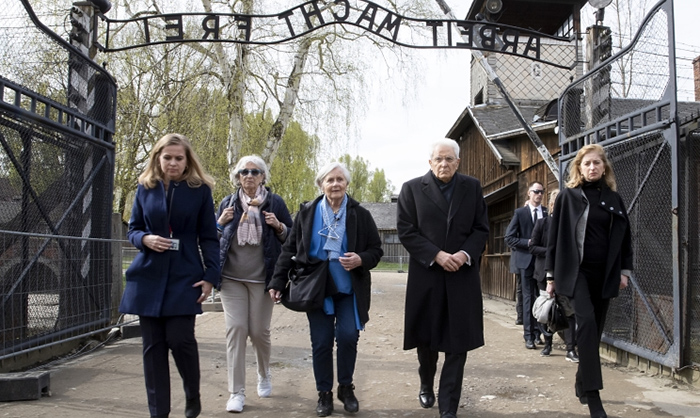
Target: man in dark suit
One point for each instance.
(518, 237)
(443, 223)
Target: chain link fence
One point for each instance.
(56, 169)
(628, 105)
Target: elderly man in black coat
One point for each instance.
(443, 223)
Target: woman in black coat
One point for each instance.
(589, 259)
(334, 227)
(538, 248)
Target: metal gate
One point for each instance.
(628, 105)
(57, 111)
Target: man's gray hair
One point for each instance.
(323, 172)
(446, 142)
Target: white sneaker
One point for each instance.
(264, 386)
(236, 402)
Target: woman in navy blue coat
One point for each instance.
(172, 220)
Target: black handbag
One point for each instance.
(557, 317)
(308, 286)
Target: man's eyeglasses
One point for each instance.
(537, 191)
(254, 172)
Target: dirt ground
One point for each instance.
(501, 380)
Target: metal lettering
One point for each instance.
(314, 14)
(177, 26)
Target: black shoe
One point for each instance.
(546, 351)
(595, 405)
(346, 395)
(426, 396)
(539, 341)
(448, 414)
(519, 321)
(530, 345)
(572, 356)
(580, 394)
(193, 407)
(325, 404)
(160, 416)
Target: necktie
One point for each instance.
(534, 216)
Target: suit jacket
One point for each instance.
(444, 310)
(160, 284)
(538, 246)
(363, 239)
(518, 234)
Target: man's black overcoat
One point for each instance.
(444, 311)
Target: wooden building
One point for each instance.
(384, 215)
(494, 146)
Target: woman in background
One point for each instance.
(538, 247)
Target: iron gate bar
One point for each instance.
(645, 129)
(55, 338)
(41, 344)
(646, 177)
(62, 123)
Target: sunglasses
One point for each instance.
(254, 172)
(537, 191)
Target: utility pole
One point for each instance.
(479, 56)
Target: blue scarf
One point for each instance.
(333, 227)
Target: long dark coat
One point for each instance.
(444, 311)
(160, 284)
(567, 230)
(363, 239)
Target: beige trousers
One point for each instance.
(248, 312)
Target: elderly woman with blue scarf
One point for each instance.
(335, 227)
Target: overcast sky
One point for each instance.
(399, 128)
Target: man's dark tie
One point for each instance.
(534, 216)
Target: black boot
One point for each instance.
(595, 405)
(346, 395)
(325, 404)
(193, 407)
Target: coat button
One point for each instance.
(612, 208)
(602, 203)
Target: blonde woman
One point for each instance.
(172, 222)
(589, 259)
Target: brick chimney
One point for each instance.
(696, 77)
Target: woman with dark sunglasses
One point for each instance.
(253, 223)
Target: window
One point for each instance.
(500, 214)
(391, 239)
(498, 228)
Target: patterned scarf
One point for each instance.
(250, 225)
(333, 227)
